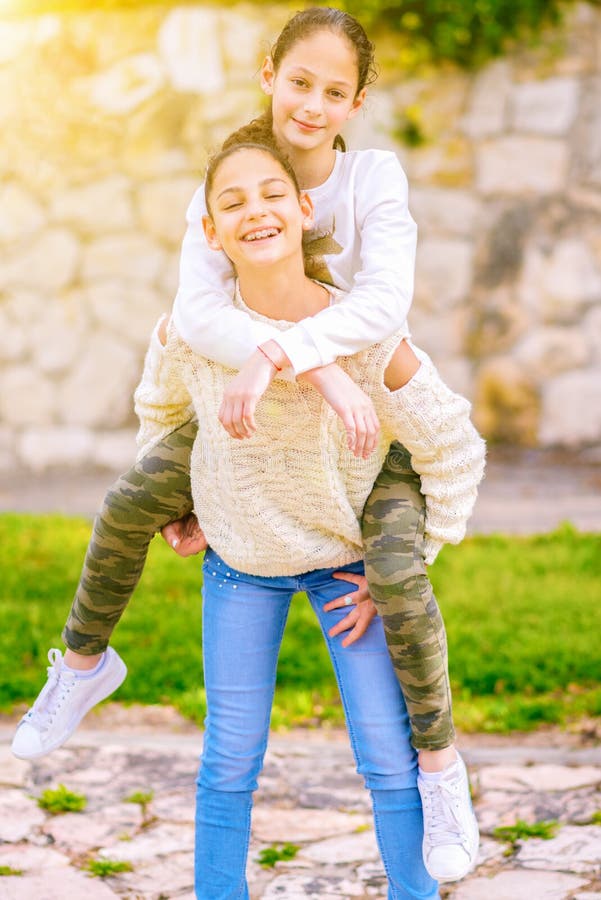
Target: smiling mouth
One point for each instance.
(306, 125)
(261, 235)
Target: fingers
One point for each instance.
(171, 533)
(237, 415)
(357, 596)
(362, 430)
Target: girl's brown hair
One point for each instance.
(236, 142)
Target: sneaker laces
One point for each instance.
(440, 800)
(51, 697)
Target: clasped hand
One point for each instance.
(347, 399)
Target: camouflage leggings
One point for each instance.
(157, 490)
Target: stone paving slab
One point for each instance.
(310, 795)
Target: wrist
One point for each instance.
(274, 353)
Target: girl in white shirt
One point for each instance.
(364, 242)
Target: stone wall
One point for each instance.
(106, 121)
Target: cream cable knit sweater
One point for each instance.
(289, 499)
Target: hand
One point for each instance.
(240, 398)
(185, 536)
(361, 612)
(352, 405)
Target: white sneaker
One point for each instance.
(63, 702)
(451, 836)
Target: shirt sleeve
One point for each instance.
(203, 312)
(448, 454)
(382, 291)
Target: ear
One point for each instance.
(306, 205)
(357, 103)
(210, 233)
(267, 76)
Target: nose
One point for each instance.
(256, 208)
(313, 103)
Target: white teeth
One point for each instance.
(256, 235)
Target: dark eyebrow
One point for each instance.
(309, 72)
(235, 188)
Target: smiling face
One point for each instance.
(256, 214)
(314, 91)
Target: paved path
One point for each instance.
(309, 796)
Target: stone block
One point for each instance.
(447, 210)
(162, 206)
(516, 885)
(487, 106)
(71, 885)
(558, 283)
(349, 848)
(312, 887)
(26, 397)
(506, 402)
(549, 351)
(128, 256)
(160, 840)
(13, 771)
(98, 390)
(48, 263)
(95, 208)
(115, 450)
(19, 815)
(57, 335)
(571, 412)
(444, 271)
(521, 165)
(190, 50)
(574, 849)
(591, 327)
(270, 824)
(546, 107)
(20, 214)
(542, 777)
(32, 859)
(124, 86)
(128, 310)
(42, 448)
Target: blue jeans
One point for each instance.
(243, 622)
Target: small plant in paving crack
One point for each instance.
(102, 868)
(61, 800)
(596, 818)
(8, 870)
(143, 799)
(269, 856)
(521, 831)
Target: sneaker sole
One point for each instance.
(102, 692)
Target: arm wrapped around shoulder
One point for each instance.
(447, 452)
(161, 400)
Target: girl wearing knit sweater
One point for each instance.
(280, 511)
(363, 240)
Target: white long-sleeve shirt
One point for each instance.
(364, 237)
(290, 498)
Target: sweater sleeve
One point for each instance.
(161, 400)
(448, 454)
(378, 303)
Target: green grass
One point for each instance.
(522, 617)
(61, 800)
(8, 870)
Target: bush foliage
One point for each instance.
(467, 34)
